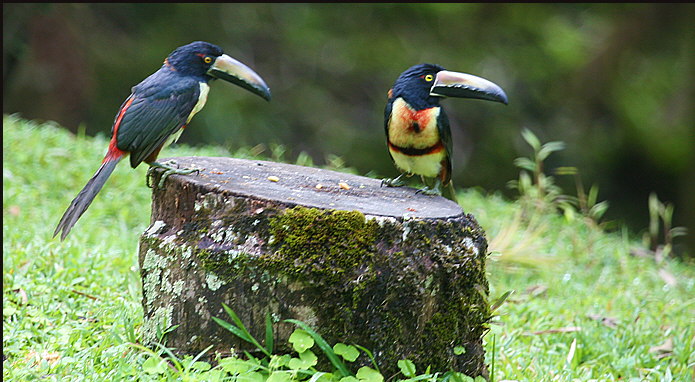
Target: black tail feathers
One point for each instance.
(82, 201)
(449, 192)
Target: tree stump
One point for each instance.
(395, 271)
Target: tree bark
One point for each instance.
(395, 271)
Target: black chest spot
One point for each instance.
(415, 127)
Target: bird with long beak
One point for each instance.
(157, 111)
(417, 128)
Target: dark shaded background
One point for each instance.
(615, 82)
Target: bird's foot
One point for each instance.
(392, 182)
(436, 190)
(168, 170)
(429, 191)
(396, 182)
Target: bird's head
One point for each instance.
(423, 85)
(205, 60)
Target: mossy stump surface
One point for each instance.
(400, 273)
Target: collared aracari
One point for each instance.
(157, 111)
(417, 128)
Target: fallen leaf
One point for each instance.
(568, 329)
(668, 278)
(536, 290)
(641, 252)
(273, 178)
(664, 350)
(85, 294)
(50, 357)
(411, 209)
(319, 186)
(216, 172)
(607, 321)
(344, 186)
(22, 296)
(659, 254)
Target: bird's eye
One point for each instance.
(207, 59)
(429, 78)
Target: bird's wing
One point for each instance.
(152, 114)
(445, 137)
(387, 118)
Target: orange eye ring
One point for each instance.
(207, 59)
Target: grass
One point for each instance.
(585, 306)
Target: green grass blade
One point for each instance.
(240, 330)
(172, 357)
(197, 357)
(492, 364)
(269, 338)
(500, 301)
(235, 318)
(236, 331)
(370, 355)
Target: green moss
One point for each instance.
(303, 243)
(227, 265)
(321, 244)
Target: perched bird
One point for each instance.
(417, 128)
(157, 111)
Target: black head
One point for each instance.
(207, 61)
(414, 85)
(195, 58)
(423, 85)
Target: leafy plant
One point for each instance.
(276, 368)
(187, 368)
(539, 197)
(537, 189)
(660, 216)
(540, 191)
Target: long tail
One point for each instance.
(82, 201)
(450, 192)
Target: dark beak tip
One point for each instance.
(503, 98)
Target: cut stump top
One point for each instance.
(312, 187)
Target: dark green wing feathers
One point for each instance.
(445, 138)
(150, 119)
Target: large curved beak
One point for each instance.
(229, 69)
(462, 85)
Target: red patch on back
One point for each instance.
(114, 152)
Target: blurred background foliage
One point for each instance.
(615, 82)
